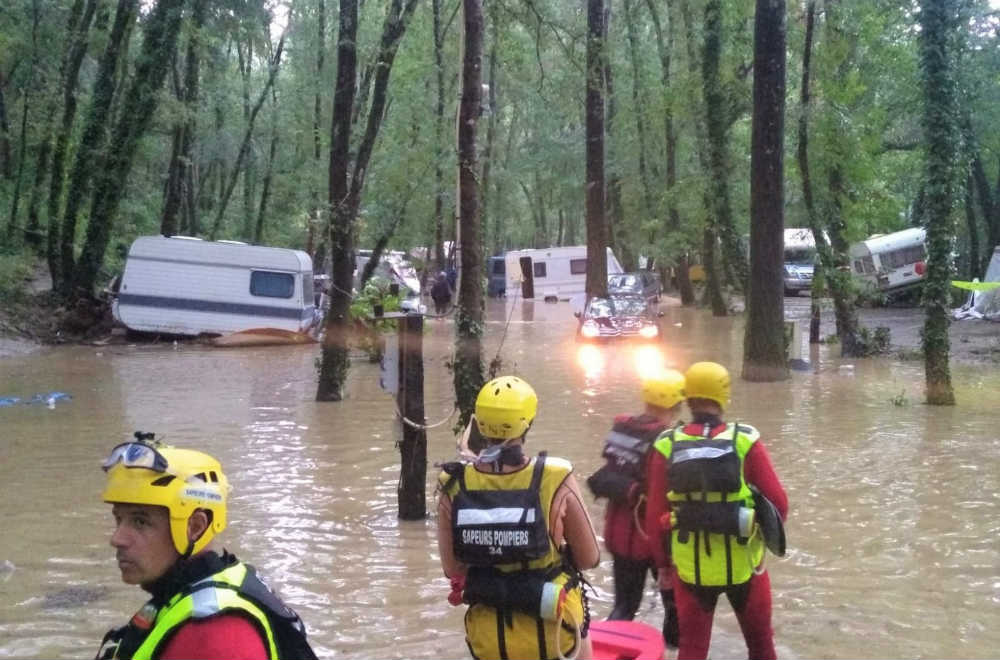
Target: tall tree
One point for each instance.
(77, 31)
(597, 226)
(158, 49)
(316, 213)
(938, 40)
(179, 176)
(62, 259)
(346, 192)
(717, 113)
(764, 346)
(469, 311)
(665, 48)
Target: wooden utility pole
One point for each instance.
(410, 494)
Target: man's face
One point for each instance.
(142, 542)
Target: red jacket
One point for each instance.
(220, 637)
(757, 470)
(622, 536)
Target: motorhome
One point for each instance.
(551, 273)
(799, 260)
(180, 285)
(891, 262)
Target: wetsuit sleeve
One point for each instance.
(656, 505)
(225, 636)
(452, 567)
(570, 522)
(759, 471)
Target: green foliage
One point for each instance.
(14, 270)
(363, 308)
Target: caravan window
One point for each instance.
(271, 285)
(539, 269)
(902, 257)
(578, 266)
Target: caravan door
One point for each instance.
(527, 278)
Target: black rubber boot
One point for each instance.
(671, 626)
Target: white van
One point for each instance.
(556, 272)
(890, 262)
(186, 286)
(799, 260)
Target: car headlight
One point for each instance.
(649, 331)
(589, 329)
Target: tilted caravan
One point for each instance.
(557, 272)
(889, 262)
(187, 286)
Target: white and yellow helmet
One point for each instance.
(182, 480)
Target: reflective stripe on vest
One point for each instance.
(216, 594)
(704, 558)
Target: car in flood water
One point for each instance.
(618, 317)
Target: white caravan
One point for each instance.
(890, 262)
(186, 286)
(551, 273)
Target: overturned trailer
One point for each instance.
(186, 286)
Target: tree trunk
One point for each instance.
(974, 267)
(665, 49)
(265, 193)
(22, 156)
(244, 151)
(716, 112)
(713, 287)
(802, 154)
(316, 213)
(334, 365)
(249, 156)
(6, 171)
(469, 310)
(345, 194)
(158, 48)
(77, 30)
(639, 105)
(938, 34)
(597, 226)
(618, 234)
(439, 256)
(181, 165)
(89, 155)
(764, 357)
(491, 133)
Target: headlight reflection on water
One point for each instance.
(590, 359)
(648, 360)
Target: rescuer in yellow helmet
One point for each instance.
(513, 535)
(622, 480)
(709, 485)
(168, 505)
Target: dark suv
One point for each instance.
(618, 317)
(643, 283)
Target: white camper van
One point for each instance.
(557, 272)
(890, 262)
(186, 286)
(800, 258)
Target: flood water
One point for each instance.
(893, 532)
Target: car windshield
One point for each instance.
(624, 282)
(604, 307)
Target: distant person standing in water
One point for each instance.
(168, 505)
(441, 293)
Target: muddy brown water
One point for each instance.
(893, 532)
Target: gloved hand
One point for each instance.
(457, 587)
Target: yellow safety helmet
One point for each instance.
(664, 389)
(182, 480)
(505, 408)
(708, 380)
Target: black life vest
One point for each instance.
(625, 449)
(491, 527)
